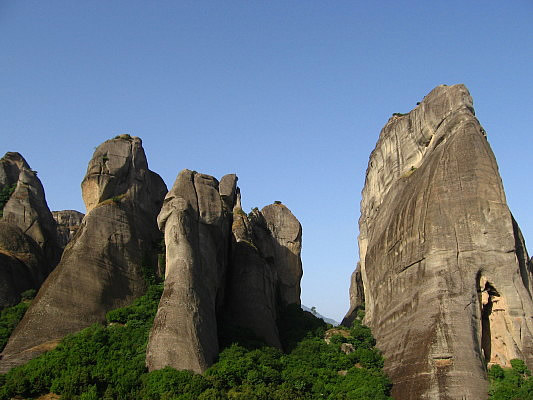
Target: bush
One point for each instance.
(108, 362)
(515, 383)
(9, 318)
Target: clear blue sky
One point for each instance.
(290, 95)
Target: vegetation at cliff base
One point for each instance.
(11, 316)
(5, 194)
(108, 362)
(515, 383)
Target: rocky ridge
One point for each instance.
(446, 277)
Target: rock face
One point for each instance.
(196, 223)
(357, 297)
(223, 268)
(101, 267)
(446, 279)
(26, 207)
(68, 222)
(28, 241)
(22, 264)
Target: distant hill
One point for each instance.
(316, 314)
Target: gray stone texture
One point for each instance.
(197, 227)
(101, 267)
(22, 264)
(446, 279)
(27, 208)
(357, 297)
(223, 267)
(68, 222)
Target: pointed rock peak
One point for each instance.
(24, 204)
(115, 170)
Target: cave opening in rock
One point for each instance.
(489, 295)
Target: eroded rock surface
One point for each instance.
(26, 207)
(68, 222)
(357, 297)
(22, 264)
(224, 268)
(196, 222)
(445, 273)
(101, 267)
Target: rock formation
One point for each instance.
(222, 268)
(26, 207)
(357, 297)
(68, 222)
(22, 264)
(101, 267)
(28, 240)
(196, 223)
(446, 279)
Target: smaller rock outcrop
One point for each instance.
(68, 223)
(102, 267)
(26, 206)
(357, 297)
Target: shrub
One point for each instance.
(9, 318)
(515, 383)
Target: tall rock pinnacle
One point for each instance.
(101, 266)
(447, 281)
(29, 247)
(224, 268)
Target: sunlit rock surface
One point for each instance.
(446, 276)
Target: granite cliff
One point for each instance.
(223, 267)
(102, 267)
(446, 277)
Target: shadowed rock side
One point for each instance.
(445, 291)
(68, 222)
(357, 297)
(101, 267)
(265, 269)
(22, 264)
(251, 300)
(196, 222)
(26, 207)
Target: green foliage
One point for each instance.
(28, 294)
(277, 202)
(107, 362)
(515, 383)
(5, 194)
(9, 318)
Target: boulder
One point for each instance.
(101, 268)
(446, 280)
(68, 222)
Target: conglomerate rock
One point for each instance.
(196, 223)
(68, 222)
(26, 207)
(446, 279)
(101, 267)
(224, 269)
